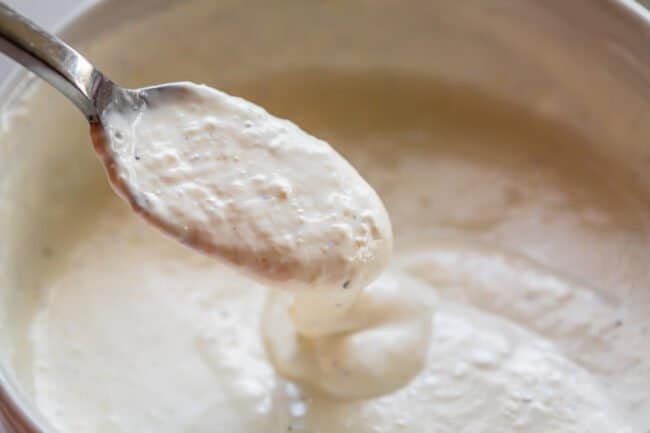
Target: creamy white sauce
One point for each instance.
(224, 176)
(375, 346)
(171, 341)
(538, 262)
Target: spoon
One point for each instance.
(64, 68)
(219, 173)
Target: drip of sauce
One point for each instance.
(374, 346)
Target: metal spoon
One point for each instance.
(82, 83)
(64, 68)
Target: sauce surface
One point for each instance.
(536, 259)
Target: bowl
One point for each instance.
(581, 67)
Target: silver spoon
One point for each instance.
(64, 68)
(82, 83)
(87, 87)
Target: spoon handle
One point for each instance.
(52, 59)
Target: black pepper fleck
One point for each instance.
(618, 323)
(137, 158)
(346, 284)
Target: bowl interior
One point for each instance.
(575, 75)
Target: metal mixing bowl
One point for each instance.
(584, 64)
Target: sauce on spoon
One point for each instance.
(225, 177)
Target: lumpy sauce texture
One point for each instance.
(534, 259)
(224, 176)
